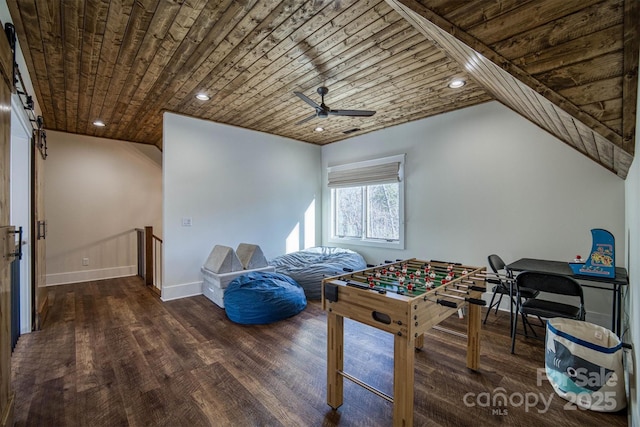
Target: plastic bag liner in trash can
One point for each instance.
(583, 362)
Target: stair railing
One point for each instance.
(150, 258)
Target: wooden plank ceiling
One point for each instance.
(568, 66)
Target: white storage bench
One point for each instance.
(224, 264)
(213, 284)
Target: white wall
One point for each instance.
(237, 186)
(97, 191)
(631, 321)
(484, 180)
(632, 298)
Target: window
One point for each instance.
(367, 202)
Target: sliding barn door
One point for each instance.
(7, 237)
(39, 231)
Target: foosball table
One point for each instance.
(405, 298)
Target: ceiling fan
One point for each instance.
(322, 111)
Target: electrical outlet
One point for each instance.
(85, 261)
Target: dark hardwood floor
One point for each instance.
(112, 354)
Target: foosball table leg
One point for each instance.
(335, 362)
(473, 336)
(403, 378)
(419, 341)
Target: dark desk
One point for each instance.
(559, 267)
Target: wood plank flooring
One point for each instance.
(112, 354)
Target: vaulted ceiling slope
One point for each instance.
(568, 66)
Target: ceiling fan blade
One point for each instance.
(313, 116)
(354, 113)
(306, 99)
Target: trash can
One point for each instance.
(583, 363)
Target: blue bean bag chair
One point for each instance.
(259, 298)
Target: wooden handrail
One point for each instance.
(142, 230)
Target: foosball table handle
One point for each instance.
(447, 303)
(452, 304)
(476, 301)
(444, 262)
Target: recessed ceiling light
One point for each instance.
(319, 129)
(457, 83)
(99, 123)
(203, 97)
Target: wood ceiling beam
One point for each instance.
(528, 96)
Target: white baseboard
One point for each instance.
(90, 275)
(182, 290)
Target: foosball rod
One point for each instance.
(436, 269)
(380, 280)
(435, 261)
(408, 273)
(448, 288)
(380, 289)
(472, 288)
(472, 285)
(449, 331)
(366, 386)
(366, 287)
(419, 265)
(385, 280)
(468, 284)
(452, 304)
(394, 282)
(494, 276)
(390, 280)
(438, 265)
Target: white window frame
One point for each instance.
(363, 241)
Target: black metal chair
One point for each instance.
(544, 308)
(503, 286)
